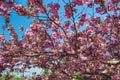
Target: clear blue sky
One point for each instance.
(17, 21)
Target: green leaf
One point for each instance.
(2, 78)
(77, 74)
(16, 78)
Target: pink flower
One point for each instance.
(89, 3)
(54, 6)
(13, 35)
(54, 35)
(20, 9)
(66, 25)
(68, 11)
(36, 26)
(78, 2)
(82, 57)
(10, 28)
(2, 60)
(53, 9)
(100, 10)
(2, 37)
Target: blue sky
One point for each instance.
(17, 20)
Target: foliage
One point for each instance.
(13, 78)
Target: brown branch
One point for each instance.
(96, 73)
(49, 37)
(112, 63)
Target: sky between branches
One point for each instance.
(18, 21)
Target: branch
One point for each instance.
(112, 62)
(96, 73)
(49, 37)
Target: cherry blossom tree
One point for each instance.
(55, 42)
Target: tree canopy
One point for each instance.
(55, 42)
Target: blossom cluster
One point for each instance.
(61, 48)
